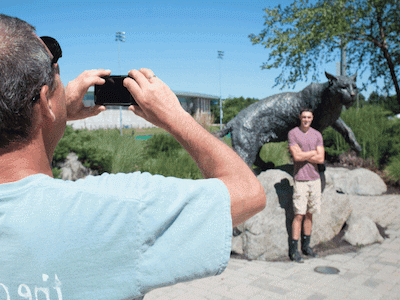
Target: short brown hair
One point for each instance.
(306, 109)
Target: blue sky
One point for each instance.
(178, 40)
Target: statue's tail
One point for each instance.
(220, 134)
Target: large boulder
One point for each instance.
(361, 230)
(266, 235)
(355, 182)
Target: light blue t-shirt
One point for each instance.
(114, 236)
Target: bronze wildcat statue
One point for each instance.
(270, 119)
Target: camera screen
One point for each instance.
(113, 92)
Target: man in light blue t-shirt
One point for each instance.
(114, 236)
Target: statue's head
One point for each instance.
(344, 87)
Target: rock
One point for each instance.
(335, 210)
(355, 182)
(361, 230)
(265, 236)
(72, 168)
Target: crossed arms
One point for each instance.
(314, 156)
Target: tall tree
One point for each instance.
(306, 34)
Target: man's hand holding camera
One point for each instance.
(76, 90)
(156, 102)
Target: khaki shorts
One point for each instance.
(307, 197)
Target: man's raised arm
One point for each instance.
(159, 105)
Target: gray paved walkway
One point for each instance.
(371, 273)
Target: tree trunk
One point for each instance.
(386, 54)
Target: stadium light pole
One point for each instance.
(120, 37)
(220, 57)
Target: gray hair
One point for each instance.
(25, 67)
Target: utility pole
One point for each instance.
(120, 37)
(220, 57)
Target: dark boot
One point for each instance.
(305, 246)
(294, 254)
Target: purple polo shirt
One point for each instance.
(304, 170)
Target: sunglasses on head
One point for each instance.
(53, 46)
(55, 49)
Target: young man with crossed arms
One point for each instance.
(307, 149)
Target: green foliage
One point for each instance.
(392, 170)
(277, 153)
(376, 133)
(386, 102)
(177, 163)
(101, 150)
(108, 151)
(306, 34)
(231, 107)
(161, 143)
(215, 112)
(165, 156)
(334, 143)
(128, 155)
(56, 172)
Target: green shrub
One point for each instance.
(101, 150)
(176, 163)
(372, 129)
(56, 172)
(161, 143)
(128, 155)
(277, 153)
(165, 156)
(392, 170)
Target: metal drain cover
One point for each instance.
(326, 270)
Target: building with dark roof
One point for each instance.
(193, 103)
(198, 105)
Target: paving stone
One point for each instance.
(365, 294)
(317, 296)
(371, 273)
(373, 283)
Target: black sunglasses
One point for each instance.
(55, 50)
(53, 46)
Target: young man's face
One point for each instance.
(306, 118)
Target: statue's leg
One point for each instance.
(347, 133)
(244, 145)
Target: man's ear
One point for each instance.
(45, 103)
